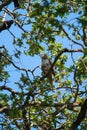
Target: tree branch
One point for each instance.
(10, 61)
(4, 109)
(9, 89)
(71, 39)
(80, 117)
(44, 104)
(5, 3)
(84, 36)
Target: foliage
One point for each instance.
(28, 100)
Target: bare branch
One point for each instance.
(71, 39)
(5, 108)
(84, 35)
(8, 58)
(9, 89)
(13, 15)
(5, 3)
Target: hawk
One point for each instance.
(46, 65)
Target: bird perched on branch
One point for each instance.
(46, 65)
(5, 25)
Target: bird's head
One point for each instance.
(43, 56)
